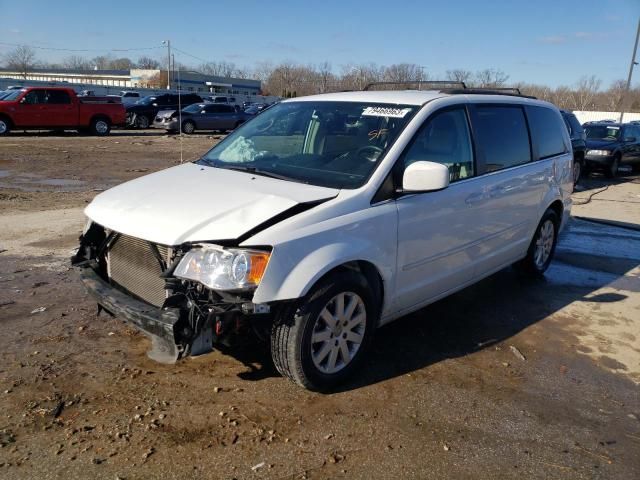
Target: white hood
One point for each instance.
(191, 203)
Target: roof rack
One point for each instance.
(435, 83)
(456, 88)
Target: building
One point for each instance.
(138, 79)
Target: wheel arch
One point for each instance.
(7, 119)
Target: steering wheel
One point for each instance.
(369, 152)
(265, 126)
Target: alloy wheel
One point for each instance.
(544, 243)
(338, 332)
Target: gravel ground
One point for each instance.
(507, 379)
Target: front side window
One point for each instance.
(501, 132)
(332, 144)
(445, 139)
(546, 131)
(35, 97)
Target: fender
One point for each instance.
(298, 263)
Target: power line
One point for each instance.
(79, 49)
(192, 56)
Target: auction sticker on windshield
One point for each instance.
(385, 112)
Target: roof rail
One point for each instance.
(512, 91)
(435, 83)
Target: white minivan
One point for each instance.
(327, 216)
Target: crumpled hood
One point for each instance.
(601, 144)
(191, 203)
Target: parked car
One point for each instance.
(201, 116)
(325, 217)
(58, 108)
(578, 143)
(4, 93)
(610, 145)
(86, 93)
(142, 113)
(221, 99)
(256, 108)
(129, 98)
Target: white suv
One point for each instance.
(327, 216)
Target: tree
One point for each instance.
(101, 62)
(148, 63)
(490, 78)
(123, 63)
(76, 62)
(584, 94)
(22, 59)
(459, 75)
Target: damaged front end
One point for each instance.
(136, 280)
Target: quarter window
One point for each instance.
(501, 132)
(444, 139)
(546, 131)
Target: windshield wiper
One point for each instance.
(264, 173)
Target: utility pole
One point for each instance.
(633, 64)
(168, 44)
(173, 69)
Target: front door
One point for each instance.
(438, 232)
(28, 112)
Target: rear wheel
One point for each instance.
(5, 126)
(543, 245)
(188, 127)
(577, 172)
(100, 127)
(321, 342)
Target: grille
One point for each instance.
(133, 266)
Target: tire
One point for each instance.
(100, 127)
(542, 247)
(5, 126)
(188, 127)
(612, 170)
(577, 172)
(141, 121)
(321, 365)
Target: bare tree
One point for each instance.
(459, 75)
(326, 78)
(490, 78)
(76, 62)
(147, 63)
(123, 63)
(101, 62)
(22, 59)
(585, 92)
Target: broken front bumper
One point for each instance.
(160, 324)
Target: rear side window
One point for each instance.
(546, 131)
(501, 133)
(58, 97)
(213, 108)
(575, 125)
(227, 109)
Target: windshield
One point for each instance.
(603, 132)
(195, 108)
(12, 95)
(146, 100)
(331, 144)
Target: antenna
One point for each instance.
(179, 109)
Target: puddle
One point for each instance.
(60, 182)
(31, 182)
(5, 173)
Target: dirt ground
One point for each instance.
(509, 378)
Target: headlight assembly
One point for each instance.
(598, 152)
(223, 268)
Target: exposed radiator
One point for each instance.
(132, 264)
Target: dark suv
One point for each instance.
(142, 113)
(578, 143)
(610, 145)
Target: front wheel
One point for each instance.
(188, 127)
(612, 170)
(543, 245)
(319, 343)
(577, 172)
(141, 121)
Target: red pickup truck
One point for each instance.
(38, 108)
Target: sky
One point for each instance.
(552, 42)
